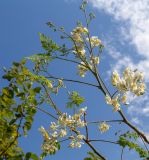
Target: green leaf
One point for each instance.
(30, 156)
(27, 156)
(75, 100)
(88, 158)
(37, 89)
(131, 145)
(47, 43)
(93, 156)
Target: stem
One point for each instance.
(111, 121)
(144, 144)
(122, 153)
(133, 127)
(42, 110)
(53, 104)
(86, 128)
(69, 60)
(64, 140)
(75, 81)
(102, 140)
(94, 150)
(91, 146)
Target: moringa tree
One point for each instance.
(31, 88)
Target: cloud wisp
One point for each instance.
(136, 15)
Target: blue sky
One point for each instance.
(122, 25)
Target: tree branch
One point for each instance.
(133, 127)
(53, 104)
(94, 150)
(109, 121)
(86, 128)
(102, 140)
(75, 81)
(42, 110)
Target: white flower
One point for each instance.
(63, 133)
(44, 133)
(72, 144)
(80, 137)
(55, 134)
(78, 144)
(103, 127)
(108, 99)
(82, 110)
(81, 123)
(54, 126)
(95, 41)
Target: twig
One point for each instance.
(122, 153)
(69, 60)
(102, 140)
(53, 104)
(109, 121)
(145, 145)
(94, 150)
(76, 81)
(42, 110)
(86, 128)
(133, 127)
(64, 140)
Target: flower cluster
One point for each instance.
(94, 60)
(82, 69)
(114, 102)
(80, 36)
(132, 81)
(61, 128)
(76, 141)
(95, 41)
(103, 127)
(77, 36)
(72, 121)
(49, 145)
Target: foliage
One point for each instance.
(75, 100)
(125, 140)
(92, 156)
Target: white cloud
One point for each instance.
(135, 120)
(135, 14)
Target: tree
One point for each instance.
(30, 89)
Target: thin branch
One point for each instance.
(91, 146)
(101, 83)
(42, 110)
(145, 145)
(75, 81)
(94, 150)
(68, 60)
(114, 94)
(64, 140)
(133, 127)
(53, 104)
(102, 140)
(109, 121)
(122, 153)
(86, 128)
